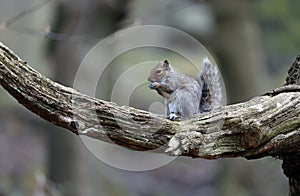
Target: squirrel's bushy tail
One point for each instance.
(212, 89)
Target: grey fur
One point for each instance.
(184, 95)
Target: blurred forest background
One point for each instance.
(253, 42)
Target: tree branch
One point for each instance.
(267, 125)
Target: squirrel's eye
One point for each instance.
(158, 71)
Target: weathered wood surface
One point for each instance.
(265, 125)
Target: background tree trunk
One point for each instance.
(82, 23)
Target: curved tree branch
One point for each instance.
(267, 125)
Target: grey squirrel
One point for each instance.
(184, 96)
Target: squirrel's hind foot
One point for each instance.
(173, 116)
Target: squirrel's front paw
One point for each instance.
(154, 85)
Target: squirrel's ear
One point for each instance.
(166, 64)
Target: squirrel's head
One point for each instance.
(159, 71)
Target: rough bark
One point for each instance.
(291, 161)
(267, 125)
